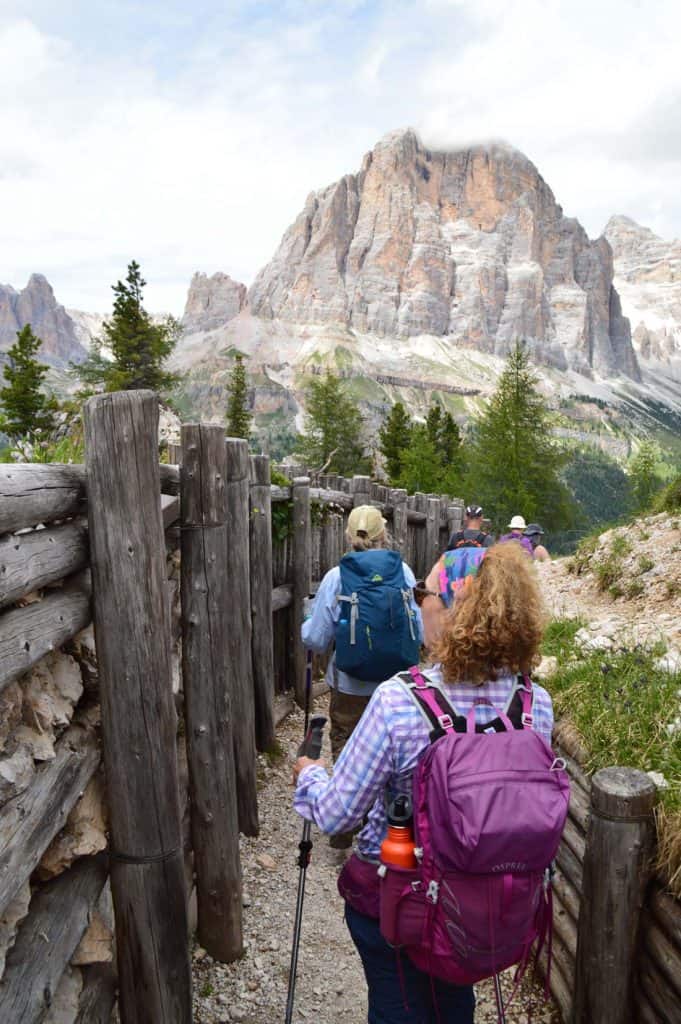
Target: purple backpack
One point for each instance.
(490, 804)
(524, 541)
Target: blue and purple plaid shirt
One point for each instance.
(379, 759)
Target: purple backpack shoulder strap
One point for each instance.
(433, 705)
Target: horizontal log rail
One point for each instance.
(58, 917)
(28, 634)
(29, 823)
(30, 561)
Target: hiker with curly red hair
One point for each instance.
(488, 643)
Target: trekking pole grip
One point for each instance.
(312, 744)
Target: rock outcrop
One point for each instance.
(36, 305)
(648, 279)
(212, 302)
(469, 246)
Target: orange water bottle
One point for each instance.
(398, 846)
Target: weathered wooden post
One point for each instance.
(398, 500)
(432, 532)
(261, 600)
(132, 626)
(206, 600)
(361, 490)
(454, 516)
(617, 868)
(302, 562)
(239, 635)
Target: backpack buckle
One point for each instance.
(433, 891)
(527, 720)
(445, 722)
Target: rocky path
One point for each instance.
(331, 988)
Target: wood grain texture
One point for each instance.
(29, 823)
(29, 561)
(432, 531)
(98, 995)
(398, 500)
(32, 493)
(28, 634)
(302, 559)
(262, 651)
(240, 666)
(617, 864)
(206, 600)
(47, 939)
(132, 627)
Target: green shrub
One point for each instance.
(645, 564)
(669, 498)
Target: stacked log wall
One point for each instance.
(54, 888)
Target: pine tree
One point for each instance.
(645, 480)
(421, 463)
(515, 462)
(25, 408)
(139, 347)
(434, 424)
(333, 428)
(238, 416)
(394, 437)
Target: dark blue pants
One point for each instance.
(388, 993)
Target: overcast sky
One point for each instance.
(187, 135)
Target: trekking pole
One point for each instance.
(310, 747)
(500, 1000)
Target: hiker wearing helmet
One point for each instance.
(517, 528)
(535, 533)
(490, 639)
(366, 607)
(472, 535)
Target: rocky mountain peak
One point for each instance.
(36, 305)
(212, 302)
(466, 245)
(648, 278)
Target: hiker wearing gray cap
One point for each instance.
(365, 607)
(534, 532)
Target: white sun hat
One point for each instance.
(517, 523)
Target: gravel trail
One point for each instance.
(331, 987)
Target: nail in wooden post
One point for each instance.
(617, 868)
(206, 600)
(261, 600)
(302, 565)
(398, 500)
(132, 627)
(240, 665)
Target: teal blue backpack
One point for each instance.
(377, 635)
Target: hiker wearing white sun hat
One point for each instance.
(517, 526)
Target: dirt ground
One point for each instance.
(331, 987)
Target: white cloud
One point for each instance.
(195, 149)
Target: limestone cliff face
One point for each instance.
(648, 278)
(212, 302)
(469, 246)
(36, 305)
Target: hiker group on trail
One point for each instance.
(444, 774)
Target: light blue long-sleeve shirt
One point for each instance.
(320, 629)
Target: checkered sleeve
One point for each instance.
(339, 803)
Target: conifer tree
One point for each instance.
(333, 428)
(421, 464)
(515, 462)
(394, 437)
(238, 415)
(25, 408)
(434, 424)
(643, 474)
(139, 347)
